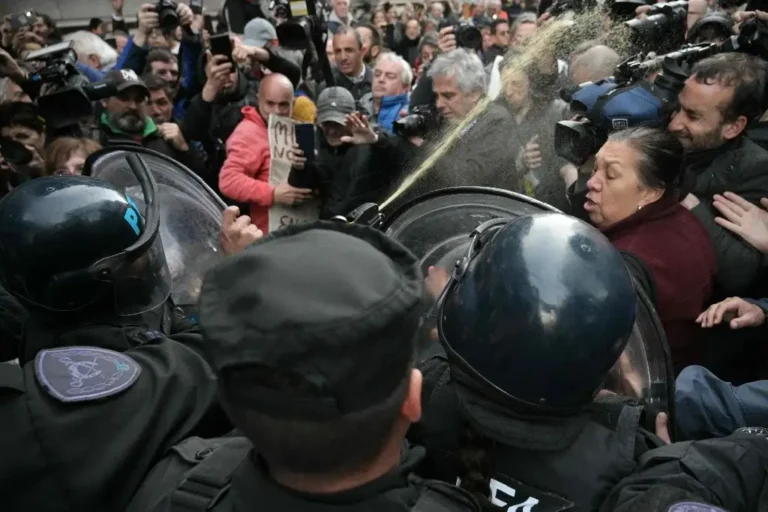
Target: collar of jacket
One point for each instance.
(661, 208)
(699, 161)
(149, 127)
(367, 76)
(252, 483)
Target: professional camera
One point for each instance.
(422, 120)
(629, 99)
(299, 30)
(305, 28)
(467, 36)
(166, 12)
(662, 29)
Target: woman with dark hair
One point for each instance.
(634, 199)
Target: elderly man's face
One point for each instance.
(452, 103)
(388, 79)
(341, 7)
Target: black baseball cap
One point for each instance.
(338, 304)
(126, 79)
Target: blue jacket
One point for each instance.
(190, 51)
(389, 112)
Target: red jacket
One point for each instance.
(244, 176)
(675, 247)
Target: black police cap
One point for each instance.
(337, 304)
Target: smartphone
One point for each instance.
(25, 19)
(221, 44)
(305, 138)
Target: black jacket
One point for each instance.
(358, 89)
(482, 155)
(350, 175)
(236, 477)
(44, 440)
(523, 464)
(739, 167)
(728, 472)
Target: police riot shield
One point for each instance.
(190, 214)
(436, 228)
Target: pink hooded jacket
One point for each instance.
(244, 177)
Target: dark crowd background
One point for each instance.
(678, 187)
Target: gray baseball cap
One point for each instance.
(258, 32)
(334, 104)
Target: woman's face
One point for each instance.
(615, 189)
(73, 166)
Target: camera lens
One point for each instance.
(469, 37)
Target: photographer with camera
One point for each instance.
(483, 154)
(167, 15)
(723, 95)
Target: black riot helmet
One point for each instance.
(74, 244)
(538, 312)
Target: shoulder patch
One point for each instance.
(689, 506)
(79, 374)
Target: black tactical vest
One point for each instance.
(575, 479)
(196, 476)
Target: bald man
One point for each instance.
(594, 64)
(245, 175)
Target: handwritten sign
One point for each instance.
(281, 139)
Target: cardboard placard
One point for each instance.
(281, 139)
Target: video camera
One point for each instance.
(629, 99)
(305, 28)
(70, 94)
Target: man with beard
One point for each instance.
(723, 95)
(125, 120)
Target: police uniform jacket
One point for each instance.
(84, 422)
(228, 474)
(572, 467)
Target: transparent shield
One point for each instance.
(142, 284)
(190, 216)
(436, 226)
